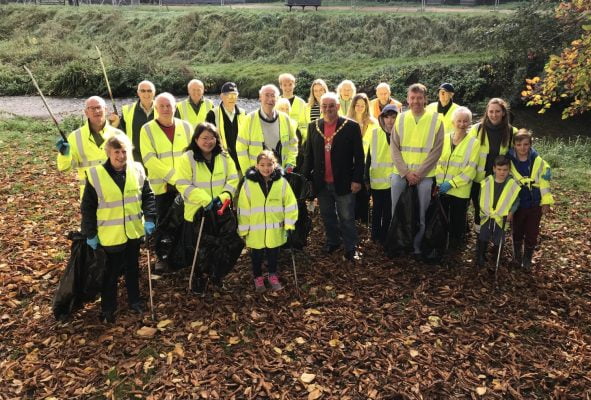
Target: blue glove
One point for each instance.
(289, 168)
(548, 174)
(63, 147)
(444, 187)
(214, 204)
(93, 242)
(149, 227)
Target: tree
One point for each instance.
(566, 78)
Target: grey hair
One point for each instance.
(461, 110)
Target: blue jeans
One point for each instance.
(338, 215)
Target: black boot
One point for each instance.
(200, 285)
(527, 256)
(518, 253)
(481, 253)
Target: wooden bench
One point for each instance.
(303, 3)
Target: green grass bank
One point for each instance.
(172, 45)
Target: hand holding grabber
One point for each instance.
(107, 80)
(63, 135)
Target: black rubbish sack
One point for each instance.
(302, 190)
(171, 244)
(405, 223)
(220, 244)
(436, 227)
(82, 279)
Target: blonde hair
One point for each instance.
(312, 100)
(286, 77)
(267, 154)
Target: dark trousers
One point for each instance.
(475, 197)
(526, 226)
(163, 203)
(382, 214)
(455, 209)
(258, 256)
(490, 231)
(126, 260)
(362, 206)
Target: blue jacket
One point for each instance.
(527, 198)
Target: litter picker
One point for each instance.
(196, 249)
(63, 135)
(106, 79)
(501, 244)
(150, 279)
(293, 263)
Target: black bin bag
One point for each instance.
(436, 227)
(302, 190)
(405, 223)
(174, 239)
(82, 279)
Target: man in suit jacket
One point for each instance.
(334, 162)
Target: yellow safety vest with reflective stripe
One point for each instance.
(508, 196)
(458, 167)
(299, 114)
(160, 155)
(118, 215)
(483, 152)
(250, 140)
(417, 138)
(382, 166)
(448, 125)
(366, 136)
(535, 180)
(199, 185)
(264, 220)
(219, 123)
(84, 153)
(128, 111)
(188, 114)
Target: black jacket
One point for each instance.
(346, 156)
(252, 174)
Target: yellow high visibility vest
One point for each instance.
(447, 122)
(188, 114)
(263, 220)
(160, 155)
(219, 123)
(118, 215)
(84, 152)
(417, 138)
(366, 136)
(382, 166)
(506, 200)
(458, 167)
(535, 180)
(128, 111)
(250, 140)
(484, 149)
(199, 185)
(299, 113)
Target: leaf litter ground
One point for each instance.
(385, 329)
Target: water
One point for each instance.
(549, 124)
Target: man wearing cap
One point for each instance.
(445, 105)
(382, 99)
(135, 115)
(194, 109)
(163, 142)
(267, 128)
(228, 117)
(334, 162)
(287, 84)
(416, 144)
(378, 172)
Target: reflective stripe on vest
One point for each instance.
(188, 113)
(413, 156)
(382, 166)
(506, 199)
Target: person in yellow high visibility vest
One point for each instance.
(346, 90)
(284, 106)
(267, 211)
(532, 174)
(163, 142)
(118, 208)
(194, 109)
(135, 115)
(379, 168)
(455, 171)
(416, 144)
(85, 146)
(382, 99)
(495, 134)
(267, 129)
(499, 199)
(298, 109)
(228, 118)
(445, 105)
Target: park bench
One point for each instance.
(303, 3)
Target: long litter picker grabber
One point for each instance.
(501, 244)
(63, 135)
(150, 279)
(293, 263)
(106, 79)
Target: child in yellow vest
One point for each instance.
(499, 199)
(267, 209)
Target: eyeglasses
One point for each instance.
(231, 95)
(145, 90)
(96, 108)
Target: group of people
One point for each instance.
(131, 169)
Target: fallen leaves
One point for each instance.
(146, 332)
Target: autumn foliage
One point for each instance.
(566, 77)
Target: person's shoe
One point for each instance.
(161, 267)
(527, 256)
(418, 257)
(331, 248)
(259, 284)
(351, 256)
(274, 282)
(137, 307)
(200, 286)
(107, 317)
(480, 253)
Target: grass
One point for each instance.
(569, 159)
